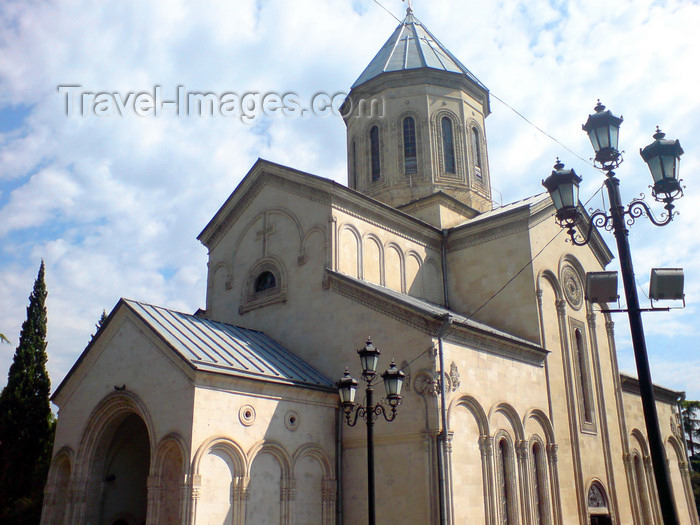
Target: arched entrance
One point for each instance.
(598, 512)
(125, 474)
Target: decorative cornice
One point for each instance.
(560, 305)
(250, 190)
(486, 446)
(317, 189)
(610, 327)
(426, 236)
(521, 449)
(441, 198)
(665, 395)
(430, 323)
(368, 298)
(420, 77)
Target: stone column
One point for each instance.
(688, 491)
(447, 465)
(628, 460)
(552, 461)
(154, 499)
(652, 495)
(486, 449)
(287, 496)
(184, 502)
(194, 488)
(329, 488)
(332, 252)
(522, 453)
(78, 489)
(572, 409)
(240, 495)
(49, 505)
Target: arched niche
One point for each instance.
(125, 473)
(598, 504)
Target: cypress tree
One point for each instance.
(26, 422)
(690, 413)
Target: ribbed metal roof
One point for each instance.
(412, 46)
(223, 348)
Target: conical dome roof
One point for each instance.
(412, 46)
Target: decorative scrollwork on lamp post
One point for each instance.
(662, 156)
(369, 412)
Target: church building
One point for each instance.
(231, 416)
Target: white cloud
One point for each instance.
(114, 204)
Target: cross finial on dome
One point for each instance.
(410, 5)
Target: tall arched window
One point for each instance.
(506, 498)
(642, 494)
(410, 157)
(265, 281)
(538, 473)
(448, 145)
(584, 377)
(353, 173)
(476, 149)
(374, 152)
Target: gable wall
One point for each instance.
(387, 256)
(479, 264)
(322, 325)
(126, 355)
(277, 228)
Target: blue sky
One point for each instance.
(114, 204)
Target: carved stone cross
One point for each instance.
(267, 230)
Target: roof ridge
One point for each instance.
(386, 59)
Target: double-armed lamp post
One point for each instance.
(662, 156)
(347, 386)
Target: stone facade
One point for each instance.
(540, 425)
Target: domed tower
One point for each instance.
(415, 130)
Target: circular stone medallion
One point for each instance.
(247, 415)
(291, 420)
(572, 286)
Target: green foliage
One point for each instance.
(695, 482)
(690, 414)
(4, 339)
(26, 423)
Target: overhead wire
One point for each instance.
(470, 316)
(526, 265)
(518, 113)
(587, 161)
(385, 9)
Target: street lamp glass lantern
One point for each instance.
(393, 381)
(663, 158)
(369, 356)
(603, 130)
(562, 186)
(347, 386)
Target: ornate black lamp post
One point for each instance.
(662, 156)
(347, 386)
